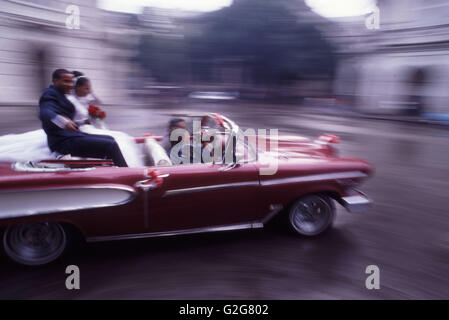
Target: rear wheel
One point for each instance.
(35, 244)
(311, 215)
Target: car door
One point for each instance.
(203, 195)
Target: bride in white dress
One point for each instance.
(32, 145)
(81, 98)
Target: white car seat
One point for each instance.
(156, 154)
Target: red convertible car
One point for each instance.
(43, 202)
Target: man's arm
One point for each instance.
(48, 112)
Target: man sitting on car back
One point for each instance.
(56, 113)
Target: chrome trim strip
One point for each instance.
(24, 167)
(274, 210)
(249, 225)
(176, 192)
(356, 203)
(316, 177)
(146, 174)
(132, 196)
(98, 186)
(146, 210)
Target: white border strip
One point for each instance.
(315, 177)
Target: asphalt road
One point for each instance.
(405, 233)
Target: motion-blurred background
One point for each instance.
(375, 73)
(373, 57)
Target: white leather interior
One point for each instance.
(156, 154)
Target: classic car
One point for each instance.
(43, 202)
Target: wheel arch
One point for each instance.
(332, 194)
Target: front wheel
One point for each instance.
(311, 215)
(35, 244)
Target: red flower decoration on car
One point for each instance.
(96, 112)
(102, 114)
(154, 177)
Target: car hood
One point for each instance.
(289, 156)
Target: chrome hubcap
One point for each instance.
(311, 215)
(34, 244)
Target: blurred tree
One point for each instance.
(163, 57)
(261, 37)
(267, 39)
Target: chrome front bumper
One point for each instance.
(356, 202)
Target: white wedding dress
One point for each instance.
(32, 145)
(29, 146)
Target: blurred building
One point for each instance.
(35, 39)
(303, 36)
(402, 67)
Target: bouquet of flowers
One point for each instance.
(96, 112)
(97, 116)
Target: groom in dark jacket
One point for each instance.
(56, 113)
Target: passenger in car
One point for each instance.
(177, 123)
(176, 141)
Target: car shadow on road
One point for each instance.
(244, 263)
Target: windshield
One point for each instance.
(245, 150)
(216, 144)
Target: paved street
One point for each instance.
(405, 233)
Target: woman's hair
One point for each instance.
(79, 78)
(77, 74)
